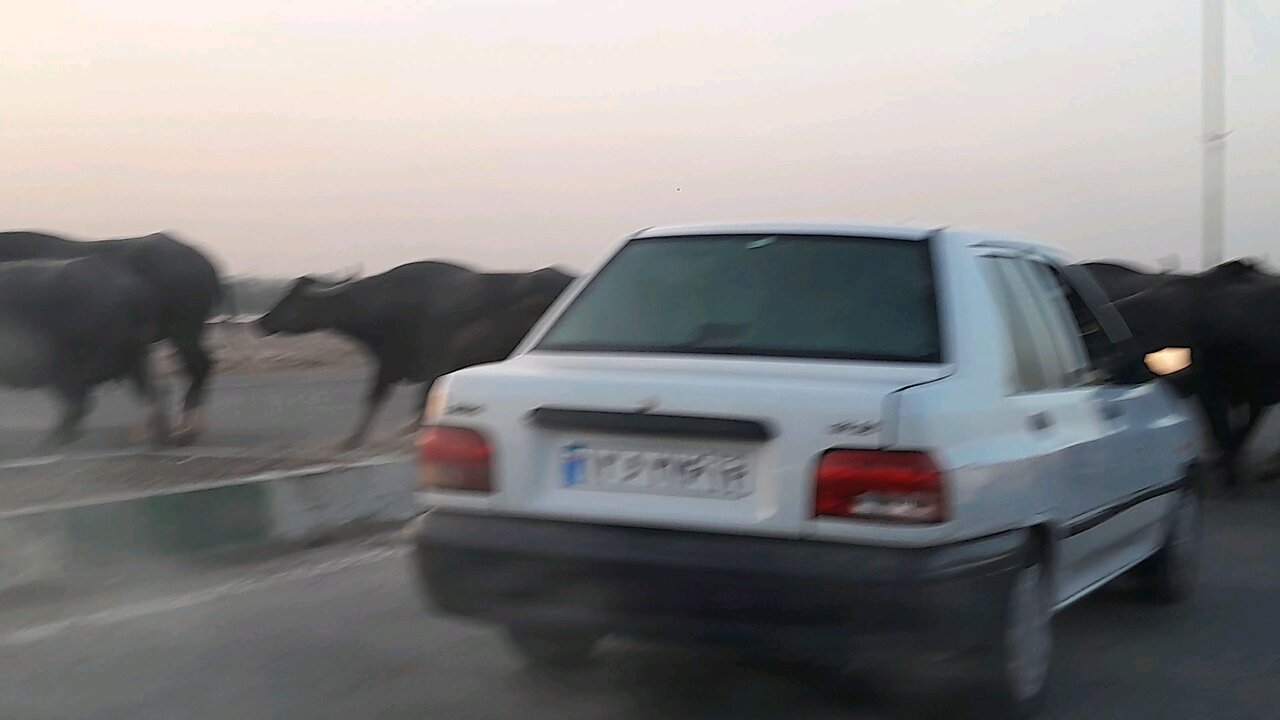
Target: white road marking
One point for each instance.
(133, 611)
(39, 460)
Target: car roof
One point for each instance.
(788, 228)
(888, 232)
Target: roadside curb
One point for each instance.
(128, 534)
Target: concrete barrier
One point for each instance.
(123, 534)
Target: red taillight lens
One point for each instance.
(879, 485)
(453, 459)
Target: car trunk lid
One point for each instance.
(699, 442)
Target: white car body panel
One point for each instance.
(1000, 474)
(801, 400)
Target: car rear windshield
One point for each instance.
(764, 295)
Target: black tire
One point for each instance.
(1169, 576)
(553, 650)
(1013, 672)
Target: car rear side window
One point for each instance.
(1050, 305)
(761, 295)
(1030, 373)
(1102, 351)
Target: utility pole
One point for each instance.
(1213, 109)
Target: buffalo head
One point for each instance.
(304, 308)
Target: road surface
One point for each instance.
(338, 633)
(259, 411)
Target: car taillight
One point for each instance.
(453, 459)
(892, 486)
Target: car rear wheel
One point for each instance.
(1014, 672)
(552, 649)
(1170, 575)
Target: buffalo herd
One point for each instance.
(74, 315)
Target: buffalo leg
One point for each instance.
(1244, 431)
(1233, 434)
(377, 397)
(155, 426)
(1256, 412)
(1217, 412)
(1256, 409)
(75, 405)
(198, 364)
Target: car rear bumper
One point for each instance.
(804, 595)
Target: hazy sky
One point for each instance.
(288, 137)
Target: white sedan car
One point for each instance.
(854, 441)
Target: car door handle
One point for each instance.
(1040, 421)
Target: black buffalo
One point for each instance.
(1120, 280)
(420, 321)
(185, 290)
(70, 325)
(1229, 317)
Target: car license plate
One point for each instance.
(724, 475)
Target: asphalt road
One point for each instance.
(262, 411)
(339, 633)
